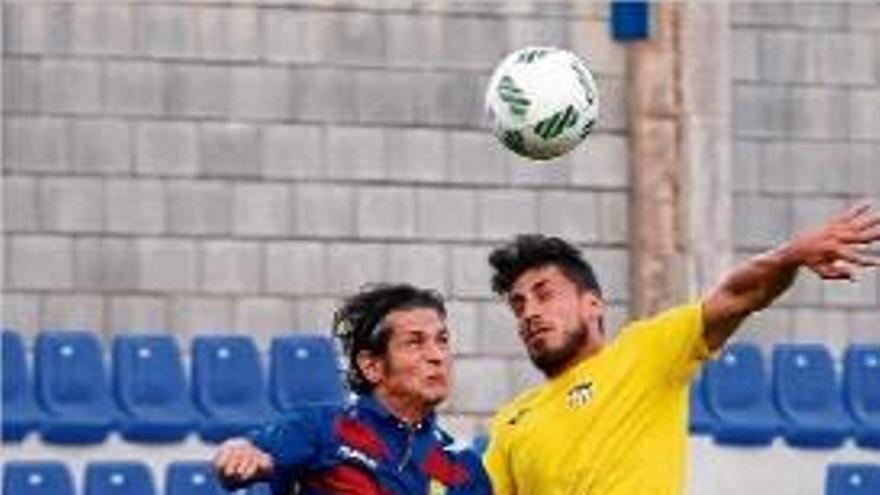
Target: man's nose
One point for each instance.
(436, 353)
(529, 313)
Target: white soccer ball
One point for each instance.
(542, 102)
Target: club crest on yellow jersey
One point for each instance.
(580, 394)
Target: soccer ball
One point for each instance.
(542, 102)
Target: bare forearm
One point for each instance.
(758, 281)
(831, 251)
(750, 287)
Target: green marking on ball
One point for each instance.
(583, 79)
(588, 127)
(557, 123)
(511, 94)
(514, 140)
(530, 56)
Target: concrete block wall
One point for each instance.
(806, 142)
(196, 166)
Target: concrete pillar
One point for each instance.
(680, 114)
(657, 173)
(706, 89)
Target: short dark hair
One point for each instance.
(359, 323)
(529, 251)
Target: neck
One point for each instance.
(594, 344)
(406, 409)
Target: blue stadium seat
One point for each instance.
(304, 370)
(118, 478)
(150, 387)
(73, 388)
(36, 478)
(198, 478)
(191, 478)
(228, 386)
(861, 379)
(701, 420)
(852, 479)
(738, 394)
(20, 413)
(808, 397)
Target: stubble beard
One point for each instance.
(552, 361)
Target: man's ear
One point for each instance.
(371, 366)
(592, 307)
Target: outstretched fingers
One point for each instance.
(859, 258)
(866, 221)
(853, 212)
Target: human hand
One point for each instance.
(836, 250)
(239, 461)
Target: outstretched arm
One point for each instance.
(833, 251)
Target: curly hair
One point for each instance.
(359, 324)
(536, 251)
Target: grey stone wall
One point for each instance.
(200, 166)
(806, 125)
(239, 166)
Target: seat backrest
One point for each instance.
(861, 378)
(70, 372)
(737, 379)
(304, 369)
(227, 372)
(147, 371)
(16, 379)
(852, 479)
(191, 478)
(804, 378)
(118, 478)
(36, 478)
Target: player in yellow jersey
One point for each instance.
(611, 417)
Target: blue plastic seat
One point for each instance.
(20, 413)
(228, 386)
(191, 478)
(701, 420)
(304, 370)
(852, 479)
(150, 386)
(118, 478)
(861, 392)
(738, 394)
(73, 388)
(808, 397)
(199, 478)
(36, 478)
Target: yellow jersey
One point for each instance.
(614, 424)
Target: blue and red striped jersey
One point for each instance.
(363, 449)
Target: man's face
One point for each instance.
(553, 317)
(417, 366)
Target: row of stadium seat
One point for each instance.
(737, 402)
(147, 396)
(115, 478)
(196, 478)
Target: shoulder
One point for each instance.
(510, 412)
(306, 419)
(679, 316)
